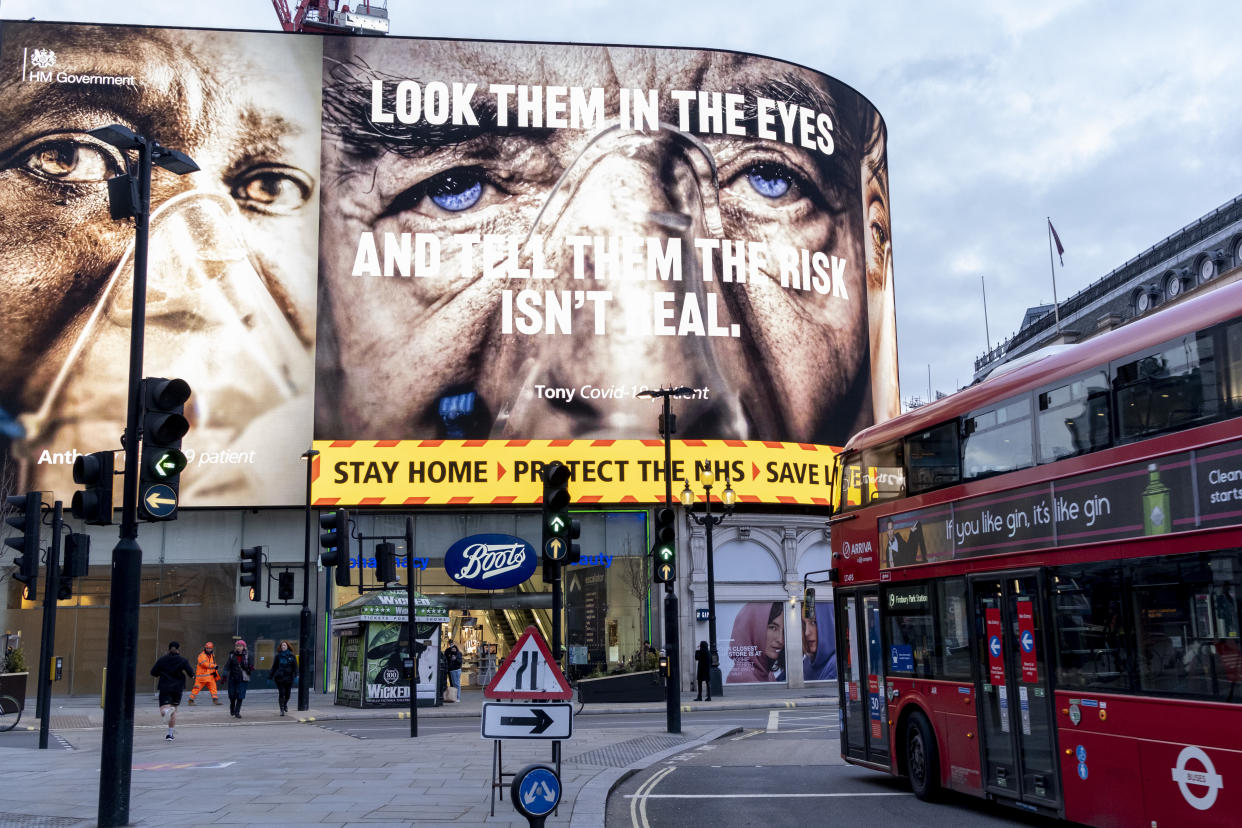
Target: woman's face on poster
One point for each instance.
(810, 636)
(774, 642)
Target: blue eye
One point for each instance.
(456, 190)
(769, 180)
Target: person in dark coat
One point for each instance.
(172, 670)
(237, 672)
(703, 670)
(283, 672)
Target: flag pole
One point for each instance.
(986, 332)
(1056, 308)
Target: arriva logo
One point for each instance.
(490, 561)
(856, 550)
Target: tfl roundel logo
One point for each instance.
(490, 561)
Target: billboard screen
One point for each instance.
(432, 250)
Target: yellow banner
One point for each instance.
(506, 472)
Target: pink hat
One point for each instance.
(239, 641)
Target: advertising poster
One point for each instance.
(432, 247)
(385, 653)
(586, 610)
(349, 676)
(819, 644)
(231, 292)
(751, 641)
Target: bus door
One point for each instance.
(1014, 695)
(864, 722)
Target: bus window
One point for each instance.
(884, 475)
(953, 629)
(1073, 417)
(1092, 651)
(849, 482)
(998, 439)
(1172, 387)
(1233, 343)
(1186, 608)
(911, 631)
(932, 458)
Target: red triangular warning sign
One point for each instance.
(529, 672)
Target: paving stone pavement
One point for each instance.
(267, 770)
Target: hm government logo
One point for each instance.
(38, 65)
(42, 58)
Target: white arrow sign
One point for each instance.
(527, 721)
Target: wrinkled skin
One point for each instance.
(245, 108)
(390, 348)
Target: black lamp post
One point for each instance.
(129, 197)
(306, 635)
(708, 520)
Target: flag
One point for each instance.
(1057, 240)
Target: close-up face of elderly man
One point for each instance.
(232, 262)
(516, 238)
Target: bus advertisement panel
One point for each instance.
(432, 243)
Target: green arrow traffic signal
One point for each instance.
(557, 523)
(167, 463)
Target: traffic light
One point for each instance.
(808, 603)
(386, 562)
(284, 586)
(163, 426)
(76, 563)
(252, 571)
(555, 512)
(27, 520)
(335, 542)
(94, 503)
(664, 551)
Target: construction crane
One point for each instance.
(367, 17)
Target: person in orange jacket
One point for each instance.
(207, 673)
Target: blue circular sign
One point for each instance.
(1028, 641)
(490, 561)
(1081, 753)
(536, 790)
(994, 645)
(1082, 770)
(159, 500)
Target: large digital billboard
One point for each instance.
(436, 253)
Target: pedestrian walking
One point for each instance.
(283, 671)
(452, 663)
(172, 670)
(206, 673)
(237, 672)
(703, 670)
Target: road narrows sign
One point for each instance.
(529, 672)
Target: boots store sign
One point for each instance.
(490, 561)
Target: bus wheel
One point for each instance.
(922, 758)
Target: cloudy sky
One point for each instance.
(1120, 120)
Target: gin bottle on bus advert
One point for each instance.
(1156, 504)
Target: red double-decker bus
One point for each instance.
(1037, 579)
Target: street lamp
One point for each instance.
(129, 196)
(305, 632)
(709, 520)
